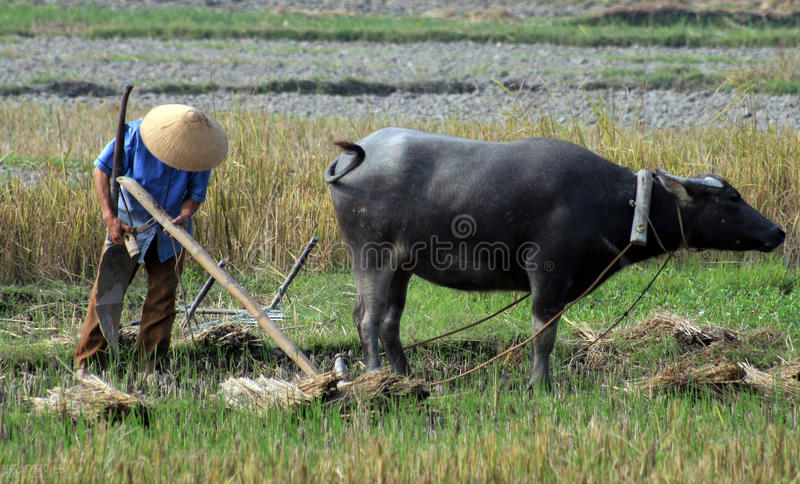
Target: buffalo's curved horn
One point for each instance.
(705, 181)
(709, 181)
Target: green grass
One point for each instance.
(678, 58)
(668, 77)
(93, 22)
(680, 77)
(485, 427)
(782, 86)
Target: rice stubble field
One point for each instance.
(697, 383)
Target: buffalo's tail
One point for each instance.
(350, 148)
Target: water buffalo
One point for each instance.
(539, 215)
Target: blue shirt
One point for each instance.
(168, 186)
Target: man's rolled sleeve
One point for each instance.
(105, 160)
(198, 185)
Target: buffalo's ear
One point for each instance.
(674, 185)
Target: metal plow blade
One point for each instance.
(114, 275)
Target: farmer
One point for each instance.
(170, 152)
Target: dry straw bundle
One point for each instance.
(683, 329)
(266, 392)
(328, 388)
(782, 378)
(92, 398)
(378, 384)
(229, 334)
(715, 376)
(702, 366)
(595, 350)
(720, 376)
(657, 325)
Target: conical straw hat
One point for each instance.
(183, 137)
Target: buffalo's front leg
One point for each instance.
(548, 301)
(541, 374)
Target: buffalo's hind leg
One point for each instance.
(358, 316)
(390, 326)
(370, 310)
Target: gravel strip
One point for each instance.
(399, 82)
(249, 62)
(516, 8)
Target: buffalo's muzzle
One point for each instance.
(774, 240)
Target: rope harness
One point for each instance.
(545, 326)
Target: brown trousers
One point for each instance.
(158, 314)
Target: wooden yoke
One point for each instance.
(641, 207)
(209, 264)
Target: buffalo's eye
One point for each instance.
(735, 197)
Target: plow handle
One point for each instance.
(119, 150)
(119, 146)
(293, 273)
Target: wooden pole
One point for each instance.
(209, 264)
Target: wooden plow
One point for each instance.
(219, 274)
(330, 386)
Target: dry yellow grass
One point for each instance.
(268, 198)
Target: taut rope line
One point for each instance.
(464, 328)
(545, 326)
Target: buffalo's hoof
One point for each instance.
(401, 367)
(538, 385)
